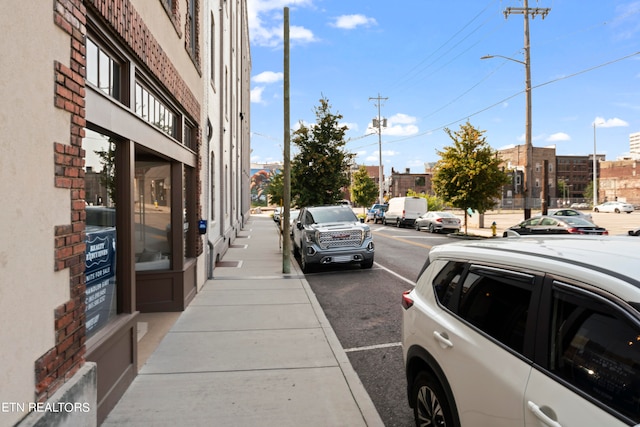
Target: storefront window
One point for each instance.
(100, 261)
(152, 213)
(149, 108)
(103, 70)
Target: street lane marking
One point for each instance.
(412, 283)
(373, 347)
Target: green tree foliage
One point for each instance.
(319, 172)
(468, 174)
(434, 203)
(275, 188)
(588, 191)
(364, 190)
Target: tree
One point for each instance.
(319, 172)
(275, 188)
(468, 174)
(588, 191)
(434, 203)
(364, 190)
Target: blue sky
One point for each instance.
(424, 57)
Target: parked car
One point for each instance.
(276, 215)
(404, 210)
(616, 207)
(564, 212)
(293, 217)
(537, 331)
(554, 225)
(579, 205)
(376, 212)
(331, 235)
(437, 221)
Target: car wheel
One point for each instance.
(596, 210)
(431, 228)
(306, 268)
(637, 233)
(430, 405)
(366, 264)
(617, 210)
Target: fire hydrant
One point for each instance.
(494, 228)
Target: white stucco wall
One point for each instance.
(31, 205)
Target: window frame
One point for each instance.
(577, 291)
(119, 90)
(515, 277)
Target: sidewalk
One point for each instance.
(253, 348)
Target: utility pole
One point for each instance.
(286, 196)
(528, 173)
(378, 122)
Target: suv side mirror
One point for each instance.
(299, 225)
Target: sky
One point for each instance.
(422, 58)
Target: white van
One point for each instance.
(404, 210)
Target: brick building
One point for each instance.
(130, 101)
(400, 183)
(619, 180)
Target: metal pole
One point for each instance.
(286, 196)
(380, 178)
(528, 176)
(528, 173)
(595, 168)
(379, 99)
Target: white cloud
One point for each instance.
(349, 22)
(268, 77)
(266, 22)
(256, 95)
(609, 123)
(559, 136)
(300, 34)
(397, 125)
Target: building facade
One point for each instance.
(401, 182)
(634, 145)
(125, 158)
(619, 180)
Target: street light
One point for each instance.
(528, 145)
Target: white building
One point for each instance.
(125, 123)
(634, 145)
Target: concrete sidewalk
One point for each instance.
(253, 348)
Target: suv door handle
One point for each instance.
(443, 339)
(541, 415)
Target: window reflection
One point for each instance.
(151, 109)
(100, 261)
(103, 71)
(152, 213)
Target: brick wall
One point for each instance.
(128, 24)
(67, 356)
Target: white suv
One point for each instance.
(540, 331)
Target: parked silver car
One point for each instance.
(331, 234)
(437, 221)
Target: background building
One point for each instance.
(125, 124)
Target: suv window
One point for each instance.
(446, 283)
(497, 302)
(332, 214)
(597, 349)
(494, 300)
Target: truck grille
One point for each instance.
(340, 239)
